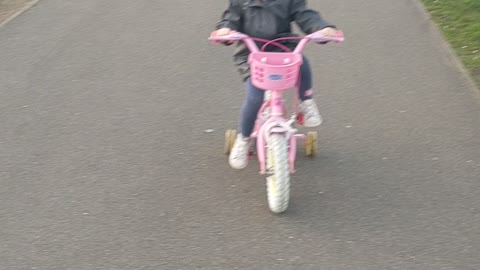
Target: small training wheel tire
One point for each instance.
(311, 143)
(230, 136)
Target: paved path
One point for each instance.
(105, 163)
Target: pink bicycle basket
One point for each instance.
(274, 71)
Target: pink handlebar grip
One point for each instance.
(315, 37)
(233, 36)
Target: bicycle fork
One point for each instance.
(275, 124)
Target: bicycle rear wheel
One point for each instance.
(230, 136)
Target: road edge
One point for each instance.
(19, 12)
(452, 55)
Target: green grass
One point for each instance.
(459, 21)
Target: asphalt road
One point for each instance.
(105, 162)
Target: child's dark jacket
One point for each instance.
(268, 19)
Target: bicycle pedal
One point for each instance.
(300, 118)
(250, 154)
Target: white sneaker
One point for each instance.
(311, 116)
(238, 158)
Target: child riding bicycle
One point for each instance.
(269, 19)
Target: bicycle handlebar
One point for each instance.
(249, 41)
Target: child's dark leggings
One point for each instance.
(255, 97)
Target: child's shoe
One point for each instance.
(311, 116)
(238, 158)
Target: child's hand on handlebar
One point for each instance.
(222, 32)
(328, 31)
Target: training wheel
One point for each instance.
(230, 136)
(311, 143)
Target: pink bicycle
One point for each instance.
(276, 137)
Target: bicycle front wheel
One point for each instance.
(278, 181)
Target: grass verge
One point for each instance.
(459, 21)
